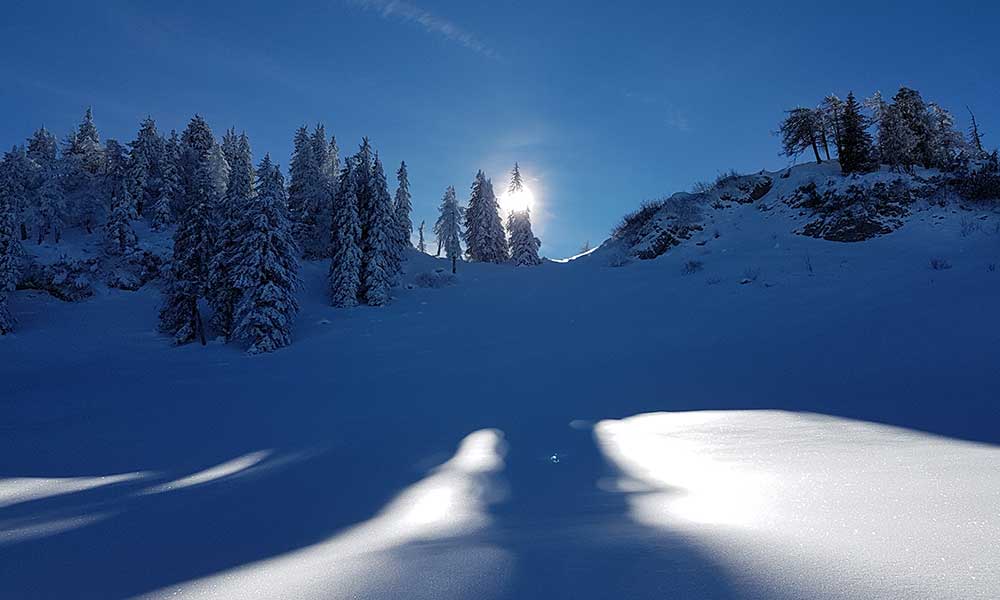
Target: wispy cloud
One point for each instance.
(428, 21)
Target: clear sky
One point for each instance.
(604, 104)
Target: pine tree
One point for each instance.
(403, 226)
(975, 138)
(193, 243)
(523, 243)
(225, 294)
(896, 142)
(345, 234)
(855, 144)
(51, 205)
(484, 236)
(377, 239)
(800, 131)
(474, 219)
(18, 181)
(266, 266)
(10, 249)
(421, 246)
(147, 156)
(47, 201)
(119, 236)
(911, 110)
(946, 143)
(496, 243)
(169, 192)
(299, 171)
(84, 159)
(322, 187)
(362, 181)
(448, 228)
(312, 185)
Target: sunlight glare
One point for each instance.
(518, 201)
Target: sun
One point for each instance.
(517, 201)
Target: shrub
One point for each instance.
(969, 226)
(692, 266)
(940, 264)
(438, 279)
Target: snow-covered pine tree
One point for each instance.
(18, 170)
(855, 144)
(230, 146)
(266, 266)
(193, 244)
(523, 243)
(146, 154)
(46, 205)
(421, 246)
(362, 181)
(299, 171)
(448, 227)
(913, 114)
(402, 225)
(84, 158)
(315, 224)
(345, 242)
(224, 293)
(377, 239)
(169, 192)
(474, 219)
(495, 243)
(801, 131)
(10, 249)
(946, 143)
(484, 235)
(219, 171)
(897, 146)
(332, 166)
(119, 237)
(50, 205)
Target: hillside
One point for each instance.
(493, 437)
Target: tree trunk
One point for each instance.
(454, 264)
(199, 325)
(819, 160)
(24, 232)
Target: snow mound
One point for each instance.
(841, 508)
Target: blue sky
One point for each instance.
(604, 104)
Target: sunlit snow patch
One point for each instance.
(369, 559)
(14, 490)
(816, 505)
(226, 469)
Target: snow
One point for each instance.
(825, 506)
(390, 452)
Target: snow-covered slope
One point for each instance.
(481, 439)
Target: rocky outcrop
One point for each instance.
(854, 214)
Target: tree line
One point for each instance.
(901, 133)
(238, 229)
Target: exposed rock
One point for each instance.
(858, 213)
